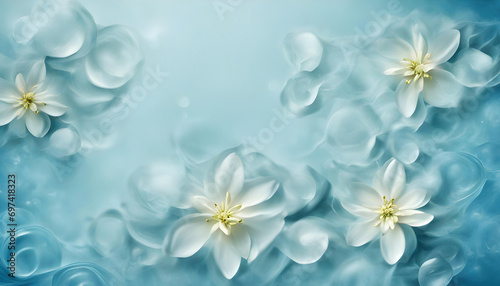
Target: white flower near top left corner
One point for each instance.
(382, 208)
(29, 100)
(235, 217)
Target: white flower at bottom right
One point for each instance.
(382, 208)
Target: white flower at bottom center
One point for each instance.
(224, 216)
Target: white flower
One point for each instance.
(29, 100)
(383, 207)
(419, 64)
(233, 213)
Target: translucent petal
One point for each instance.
(407, 96)
(304, 50)
(38, 124)
(187, 235)
(64, 142)
(435, 272)
(229, 176)
(362, 233)
(305, 241)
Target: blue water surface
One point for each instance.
(159, 91)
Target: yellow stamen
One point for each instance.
(418, 68)
(388, 211)
(225, 214)
(28, 101)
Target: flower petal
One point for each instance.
(224, 228)
(187, 235)
(443, 90)
(358, 210)
(418, 218)
(262, 230)
(226, 257)
(7, 113)
(240, 240)
(392, 245)
(53, 108)
(395, 71)
(8, 92)
(419, 43)
(256, 191)
(38, 124)
(384, 226)
(407, 96)
(20, 83)
(229, 176)
(366, 195)
(202, 204)
(390, 180)
(395, 48)
(361, 233)
(268, 208)
(444, 46)
(36, 75)
(413, 199)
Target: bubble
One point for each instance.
(404, 146)
(352, 134)
(37, 251)
(108, 233)
(305, 241)
(30, 260)
(463, 178)
(57, 28)
(452, 251)
(64, 142)
(115, 59)
(435, 272)
(300, 94)
(304, 50)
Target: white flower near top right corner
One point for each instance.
(419, 65)
(382, 208)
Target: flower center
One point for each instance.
(225, 215)
(417, 68)
(28, 101)
(388, 213)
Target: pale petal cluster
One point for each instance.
(383, 207)
(233, 214)
(418, 64)
(29, 100)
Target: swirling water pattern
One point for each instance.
(158, 94)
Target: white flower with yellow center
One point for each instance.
(419, 68)
(29, 100)
(383, 207)
(231, 213)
